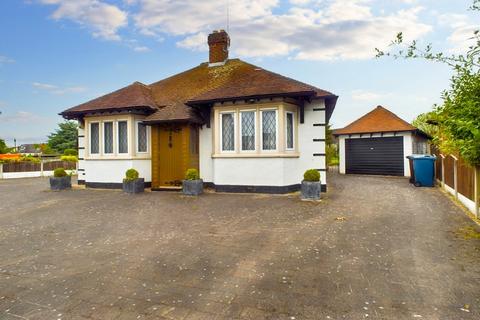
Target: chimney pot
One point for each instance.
(218, 43)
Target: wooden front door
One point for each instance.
(172, 154)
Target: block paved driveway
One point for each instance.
(400, 253)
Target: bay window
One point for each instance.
(289, 126)
(142, 138)
(94, 138)
(269, 130)
(228, 131)
(247, 119)
(122, 136)
(108, 137)
(255, 131)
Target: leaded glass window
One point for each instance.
(289, 130)
(94, 138)
(108, 137)
(228, 132)
(248, 130)
(142, 137)
(122, 137)
(269, 130)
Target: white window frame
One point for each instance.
(254, 129)
(234, 113)
(137, 136)
(293, 130)
(261, 130)
(90, 138)
(117, 135)
(103, 137)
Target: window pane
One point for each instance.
(108, 137)
(228, 133)
(142, 137)
(122, 137)
(94, 138)
(248, 130)
(289, 130)
(269, 130)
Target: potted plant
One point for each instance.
(60, 180)
(132, 183)
(192, 185)
(311, 186)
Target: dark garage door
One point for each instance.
(383, 156)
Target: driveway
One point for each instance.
(374, 248)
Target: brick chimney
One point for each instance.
(218, 42)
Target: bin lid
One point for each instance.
(421, 157)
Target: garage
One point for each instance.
(378, 143)
(380, 156)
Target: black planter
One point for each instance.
(60, 183)
(311, 190)
(134, 186)
(192, 187)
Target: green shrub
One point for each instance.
(311, 175)
(192, 174)
(131, 175)
(70, 152)
(69, 158)
(59, 173)
(29, 159)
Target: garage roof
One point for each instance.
(378, 120)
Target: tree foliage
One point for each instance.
(3, 147)
(457, 119)
(64, 137)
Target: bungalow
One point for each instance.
(245, 128)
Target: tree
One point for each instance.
(64, 137)
(3, 147)
(458, 118)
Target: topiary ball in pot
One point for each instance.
(60, 180)
(192, 185)
(311, 186)
(132, 183)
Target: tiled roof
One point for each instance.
(171, 98)
(377, 120)
(136, 95)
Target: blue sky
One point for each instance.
(55, 54)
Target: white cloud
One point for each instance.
(367, 96)
(462, 36)
(21, 117)
(58, 90)
(141, 49)
(5, 59)
(323, 30)
(102, 18)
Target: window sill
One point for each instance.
(256, 155)
(107, 158)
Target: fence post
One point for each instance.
(41, 168)
(1, 170)
(455, 175)
(477, 191)
(443, 170)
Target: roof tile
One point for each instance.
(378, 120)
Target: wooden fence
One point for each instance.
(28, 166)
(460, 179)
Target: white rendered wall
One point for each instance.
(407, 147)
(205, 152)
(81, 153)
(113, 171)
(271, 171)
(31, 174)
